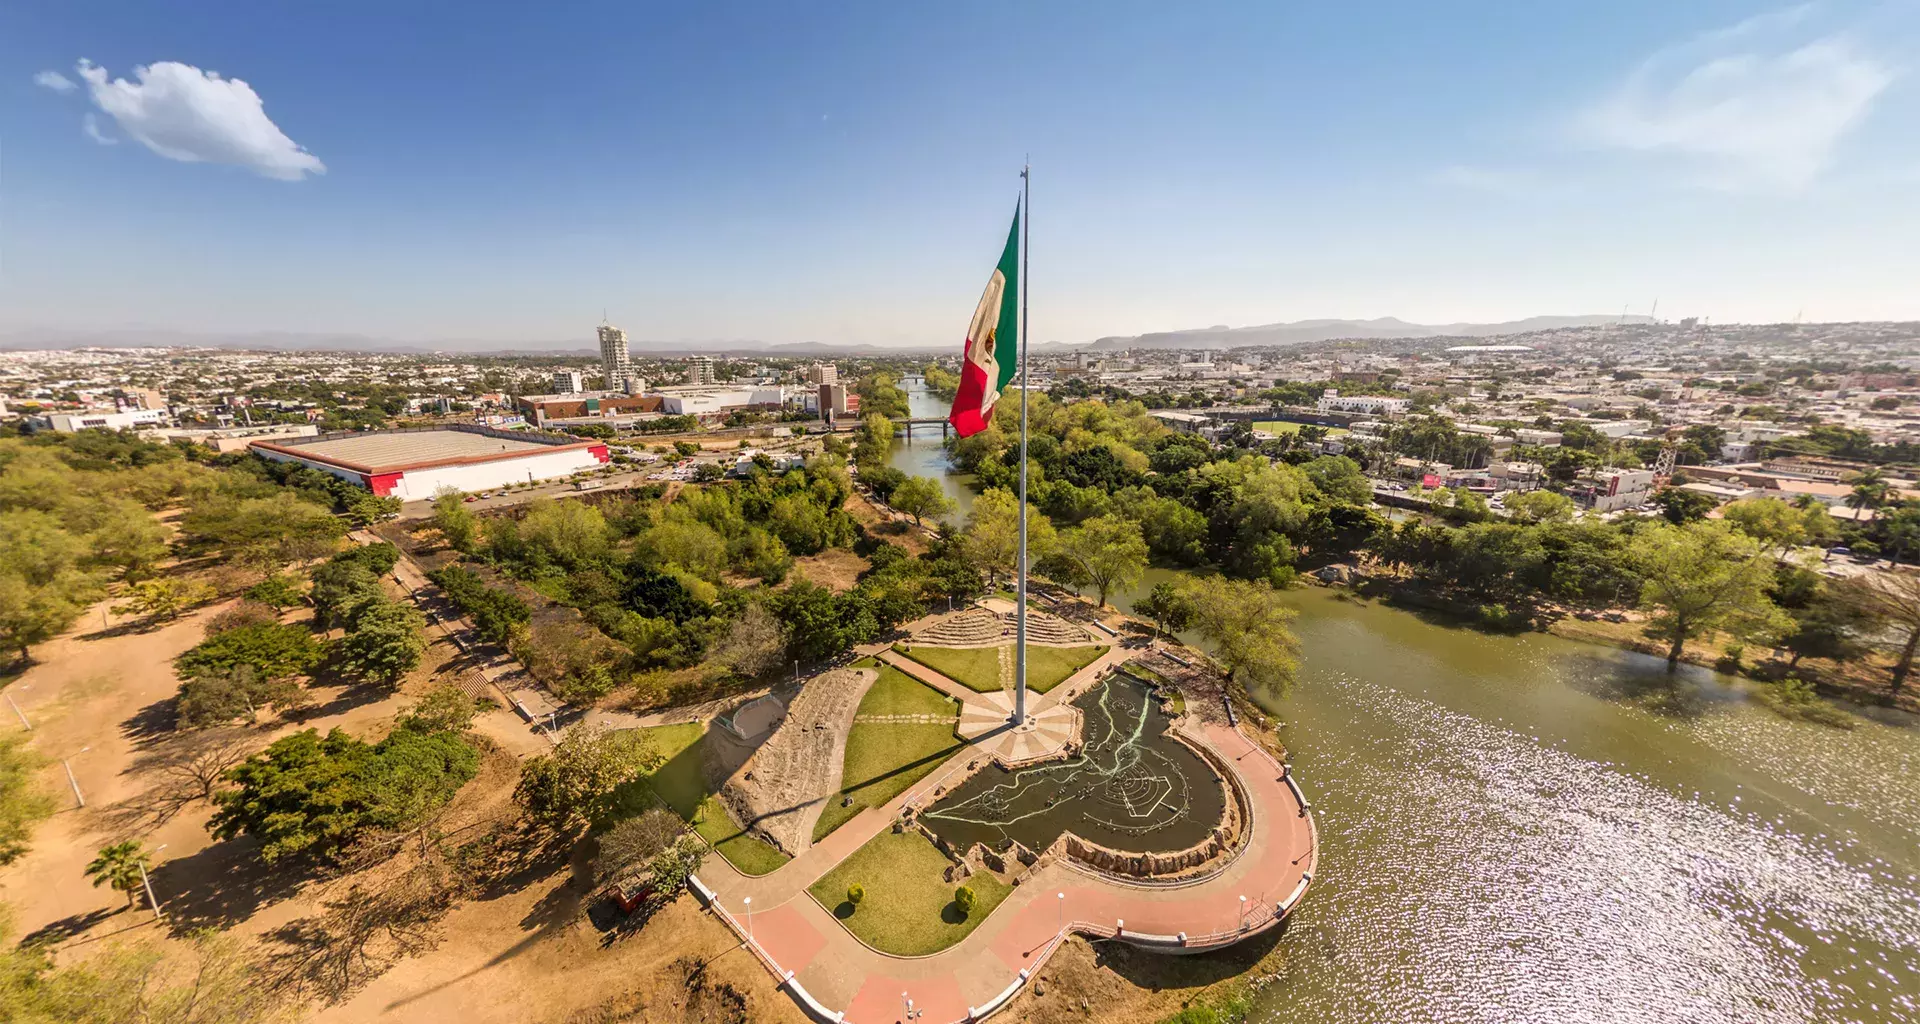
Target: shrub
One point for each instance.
(965, 899)
(855, 893)
(243, 613)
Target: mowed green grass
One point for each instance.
(1048, 667)
(682, 785)
(976, 668)
(908, 909)
(884, 758)
(1290, 427)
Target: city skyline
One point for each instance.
(835, 177)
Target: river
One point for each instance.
(1530, 829)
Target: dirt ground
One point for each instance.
(1116, 984)
(100, 697)
(885, 524)
(836, 569)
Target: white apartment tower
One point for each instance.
(700, 370)
(567, 382)
(613, 356)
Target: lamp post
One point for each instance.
(1060, 913)
(1243, 913)
(71, 781)
(147, 884)
(749, 903)
(16, 709)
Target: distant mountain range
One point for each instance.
(1299, 332)
(1304, 332)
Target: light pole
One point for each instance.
(148, 885)
(16, 709)
(749, 902)
(1060, 913)
(1243, 913)
(909, 1002)
(71, 781)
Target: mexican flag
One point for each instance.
(993, 343)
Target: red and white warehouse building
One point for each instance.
(413, 463)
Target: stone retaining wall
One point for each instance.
(1179, 865)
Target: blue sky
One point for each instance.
(844, 172)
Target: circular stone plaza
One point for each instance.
(1130, 807)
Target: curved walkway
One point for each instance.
(838, 978)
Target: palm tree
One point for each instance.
(120, 865)
(1870, 490)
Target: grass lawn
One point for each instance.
(897, 693)
(976, 668)
(884, 758)
(683, 786)
(1289, 427)
(908, 909)
(1048, 667)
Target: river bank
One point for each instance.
(1861, 681)
(1522, 826)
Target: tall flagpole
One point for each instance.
(1020, 633)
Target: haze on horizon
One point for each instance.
(778, 175)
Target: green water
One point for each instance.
(1531, 829)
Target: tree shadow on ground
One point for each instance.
(351, 696)
(222, 885)
(151, 724)
(69, 926)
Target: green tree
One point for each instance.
(120, 865)
(164, 599)
(921, 498)
(444, 708)
(856, 893)
(1339, 479)
(370, 509)
(237, 694)
(312, 796)
(23, 802)
(1870, 490)
(1700, 577)
(573, 785)
(1248, 626)
(454, 520)
(31, 614)
(385, 644)
(279, 590)
(1540, 507)
(568, 533)
(1109, 552)
(341, 588)
(271, 649)
(1891, 601)
(1168, 605)
(965, 900)
(269, 531)
(1780, 526)
(992, 538)
(1681, 506)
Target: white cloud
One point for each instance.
(91, 125)
(54, 80)
(183, 113)
(1757, 106)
